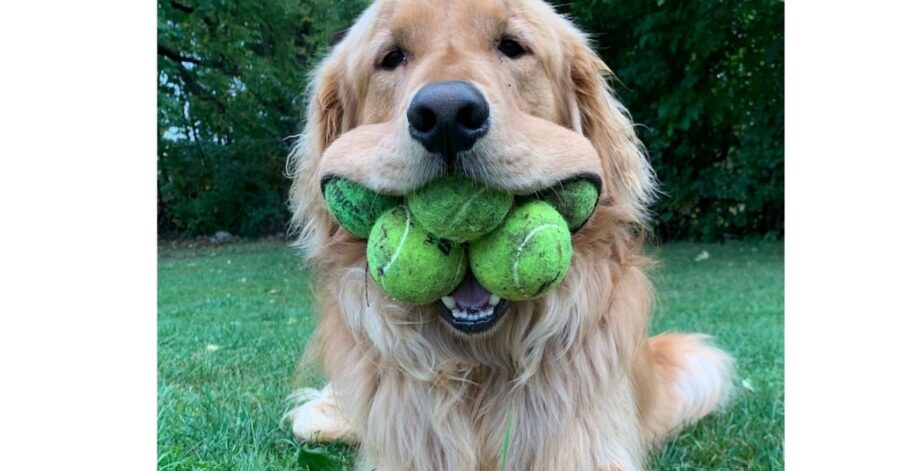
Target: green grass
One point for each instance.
(233, 320)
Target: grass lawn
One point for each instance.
(234, 319)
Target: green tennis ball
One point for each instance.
(457, 209)
(575, 200)
(409, 263)
(354, 206)
(525, 257)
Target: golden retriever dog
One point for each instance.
(508, 93)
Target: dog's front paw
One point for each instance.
(318, 418)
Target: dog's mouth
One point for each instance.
(472, 309)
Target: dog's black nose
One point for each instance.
(448, 117)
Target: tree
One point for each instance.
(231, 83)
(705, 81)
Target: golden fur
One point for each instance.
(574, 372)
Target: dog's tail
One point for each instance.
(696, 378)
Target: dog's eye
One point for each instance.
(392, 60)
(510, 48)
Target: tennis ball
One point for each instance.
(354, 206)
(457, 209)
(526, 256)
(409, 263)
(575, 200)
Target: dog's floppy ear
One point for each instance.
(606, 123)
(326, 112)
(326, 119)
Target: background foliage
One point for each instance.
(704, 79)
(230, 93)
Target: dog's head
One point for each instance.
(506, 92)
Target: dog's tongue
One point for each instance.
(470, 293)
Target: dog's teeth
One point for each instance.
(449, 302)
(475, 315)
(494, 300)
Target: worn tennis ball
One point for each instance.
(526, 256)
(575, 200)
(411, 264)
(458, 209)
(354, 206)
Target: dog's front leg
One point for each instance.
(318, 417)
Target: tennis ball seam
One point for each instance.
(462, 264)
(462, 208)
(528, 237)
(402, 241)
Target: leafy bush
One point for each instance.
(231, 83)
(703, 78)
